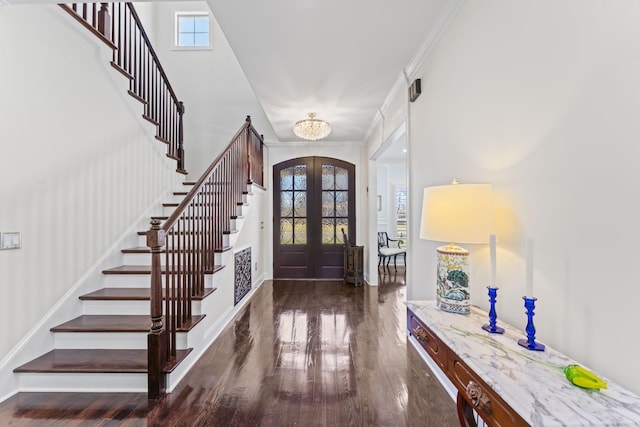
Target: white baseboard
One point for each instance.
(440, 375)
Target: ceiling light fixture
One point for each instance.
(312, 129)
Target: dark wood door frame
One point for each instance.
(304, 252)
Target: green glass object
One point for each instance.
(581, 377)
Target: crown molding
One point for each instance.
(432, 38)
(408, 72)
(377, 118)
(321, 143)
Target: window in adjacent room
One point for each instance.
(401, 215)
(192, 30)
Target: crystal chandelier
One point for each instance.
(312, 129)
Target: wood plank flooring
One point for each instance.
(301, 353)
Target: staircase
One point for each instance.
(145, 322)
(106, 347)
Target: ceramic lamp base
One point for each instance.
(452, 287)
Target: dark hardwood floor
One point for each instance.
(301, 353)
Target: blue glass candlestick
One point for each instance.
(491, 326)
(530, 342)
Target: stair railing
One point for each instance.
(188, 241)
(119, 26)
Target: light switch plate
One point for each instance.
(10, 240)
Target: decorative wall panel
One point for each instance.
(242, 283)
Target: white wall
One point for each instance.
(77, 168)
(542, 99)
(254, 234)
(210, 82)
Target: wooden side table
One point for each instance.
(506, 384)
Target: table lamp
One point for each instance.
(461, 213)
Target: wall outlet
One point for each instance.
(10, 240)
(256, 266)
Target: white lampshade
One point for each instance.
(460, 213)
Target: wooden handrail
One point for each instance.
(189, 240)
(152, 51)
(119, 26)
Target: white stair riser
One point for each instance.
(142, 307)
(168, 210)
(80, 382)
(137, 259)
(145, 259)
(127, 280)
(176, 198)
(109, 340)
(143, 280)
(142, 240)
(127, 307)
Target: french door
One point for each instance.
(313, 201)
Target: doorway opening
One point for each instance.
(392, 202)
(313, 202)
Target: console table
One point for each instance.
(506, 384)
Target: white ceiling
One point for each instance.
(337, 58)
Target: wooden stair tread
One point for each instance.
(137, 250)
(132, 294)
(147, 250)
(116, 323)
(144, 232)
(166, 217)
(95, 361)
(150, 119)
(144, 269)
(217, 268)
(129, 269)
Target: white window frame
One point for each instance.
(176, 26)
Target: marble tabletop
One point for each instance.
(528, 381)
